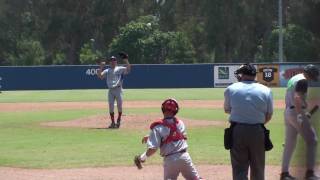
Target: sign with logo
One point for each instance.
(223, 72)
(268, 75)
(224, 75)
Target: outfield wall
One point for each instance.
(84, 77)
(141, 76)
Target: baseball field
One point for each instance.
(63, 135)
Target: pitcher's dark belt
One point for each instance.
(182, 151)
(115, 87)
(292, 107)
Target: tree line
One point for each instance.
(45, 32)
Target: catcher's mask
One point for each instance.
(170, 105)
(312, 71)
(245, 69)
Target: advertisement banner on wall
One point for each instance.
(224, 75)
(268, 75)
(288, 71)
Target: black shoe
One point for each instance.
(286, 176)
(112, 125)
(310, 175)
(118, 123)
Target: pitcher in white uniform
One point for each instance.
(114, 78)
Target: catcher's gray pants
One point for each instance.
(115, 94)
(248, 150)
(180, 162)
(307, 132)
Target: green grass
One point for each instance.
(24, 143)
(129, 94)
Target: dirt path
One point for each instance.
(128, 122)
(149, 172)
(39, 106)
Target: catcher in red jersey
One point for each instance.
(169, 134)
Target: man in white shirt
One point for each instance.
(297, 121)
(114, 79)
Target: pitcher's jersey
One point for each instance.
(291, 90)
(114, 77)
(159, 133)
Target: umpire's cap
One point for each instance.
(246, 69)
(312, 71)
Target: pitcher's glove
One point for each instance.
(123, 55)
(137, 161)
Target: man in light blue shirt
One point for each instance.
(250, 106)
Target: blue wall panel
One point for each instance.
(47, 78)
(170, 76)
(84, 77)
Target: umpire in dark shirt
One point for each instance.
(250, 106)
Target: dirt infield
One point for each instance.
(39, 106)
(149, 172)
(128, 122)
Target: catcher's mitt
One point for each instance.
(123, 55)
(137, 162)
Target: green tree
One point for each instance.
(305, 14)
(65, 25)
(237, 28)
(88, 54)
(15, 27)
(299, 44)
(28, 52)
(189, 18)
(219, 31)
(180, 49)
(145, 43)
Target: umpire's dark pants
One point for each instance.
(248, 150)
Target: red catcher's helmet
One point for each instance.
(170, 105)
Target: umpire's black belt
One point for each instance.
(246, 124)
